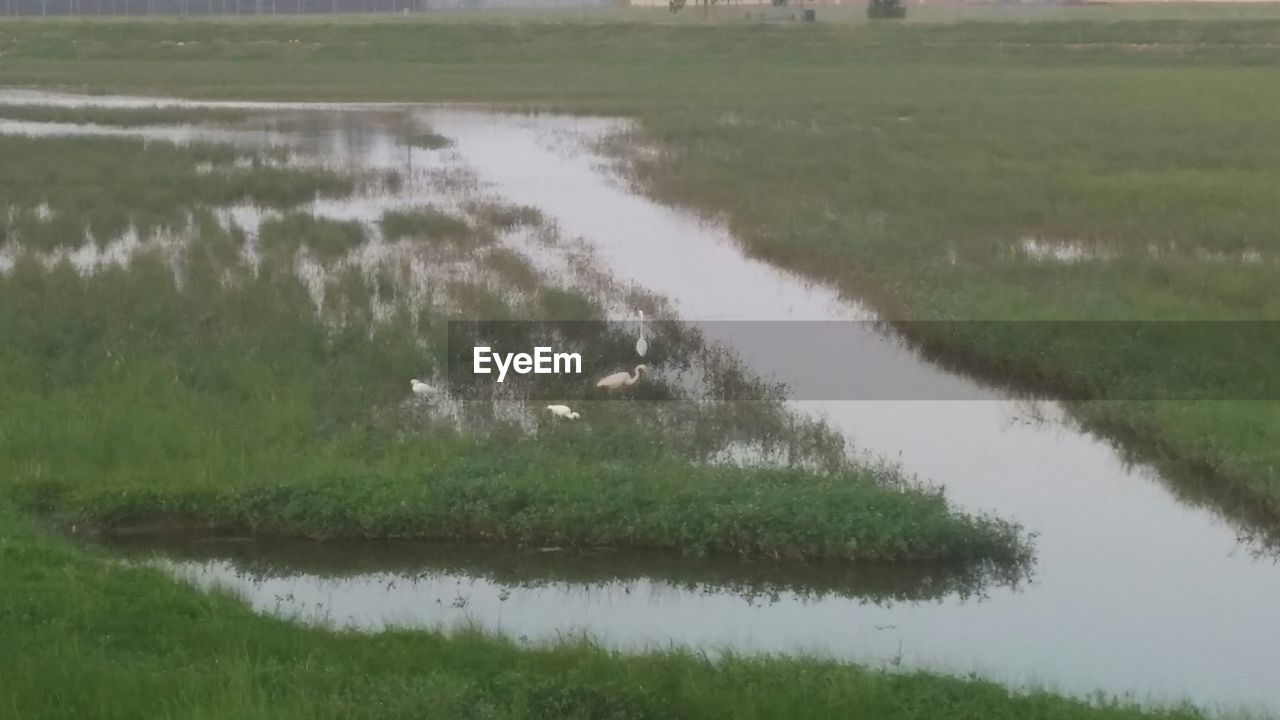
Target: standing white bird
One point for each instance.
(563, 411)
(619, 380)
(642, 345)
(422, 389)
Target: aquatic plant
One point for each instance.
(328, 239)
(428, 225)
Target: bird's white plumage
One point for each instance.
(642, 345)
(563, 411)
(421, 389)
(619, 380)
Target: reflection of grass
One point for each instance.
(89, 637)
(274, 557)
(428, 141)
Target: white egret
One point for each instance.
(422, 389)
(563, 411)
(619, 380)
(642, 345)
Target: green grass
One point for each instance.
(227, 402)
(906, 164)
(121, 117)
(328, 239)
(104, 186)
(428, 225)
(218, 393)
(86, 636)
(507, 217)
(211, 394)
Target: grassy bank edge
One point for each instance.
(88, 635)
(737, 512)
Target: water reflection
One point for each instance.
(255, 560)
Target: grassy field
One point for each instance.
(1037, 171)
(743, 13)
(919, 167)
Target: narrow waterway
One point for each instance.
(1134, 592)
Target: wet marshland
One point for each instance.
(1142, 584)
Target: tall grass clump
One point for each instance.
(502, 217)
(328, 239)
(427, 224)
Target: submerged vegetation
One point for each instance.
(56, 190)
(429, 225)
(329, 239)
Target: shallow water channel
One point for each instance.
(1134, 592)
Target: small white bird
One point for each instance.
(422, 389)
(619, 380)
(562, 411)
(642, 345)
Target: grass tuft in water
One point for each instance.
(427, 225)
(328, 239)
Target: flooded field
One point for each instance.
(1141, 586)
